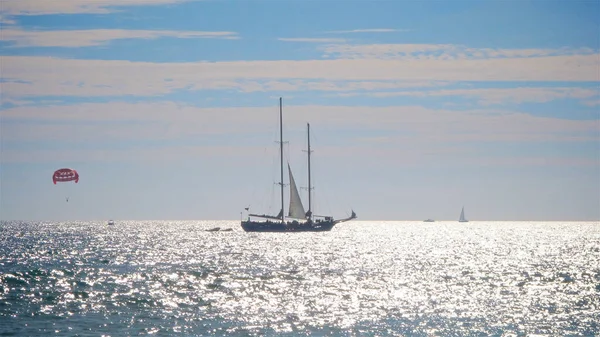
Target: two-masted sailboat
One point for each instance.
(297, 220)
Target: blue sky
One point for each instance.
(168, 109)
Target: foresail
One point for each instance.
(296, 209)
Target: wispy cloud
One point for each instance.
(94, 37)
(134, 153)
(37, 7)
(489, 96)
(440, 52)
(168, 120)
(540, 161)
(32, 75)
(5, 20)
(592, 102)
(419, 133)
(312, 40)
(369, 30)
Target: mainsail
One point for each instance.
(296, 209)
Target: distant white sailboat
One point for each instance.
(462, 216)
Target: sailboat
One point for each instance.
(298, 220)
(462, 216)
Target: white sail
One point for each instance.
(462, 215)
(296, 209)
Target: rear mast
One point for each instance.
(309, 182)
(281, 155)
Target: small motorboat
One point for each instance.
(110, 222)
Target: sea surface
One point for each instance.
(173, 278)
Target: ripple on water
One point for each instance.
(363, 278)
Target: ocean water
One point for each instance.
(172, 278)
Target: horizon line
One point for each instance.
(232, 220)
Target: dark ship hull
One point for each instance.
(291, 226)
(319, 225)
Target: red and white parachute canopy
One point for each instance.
(64, 175)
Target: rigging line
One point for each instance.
(255, 183)
(322, 197)
(274, 154)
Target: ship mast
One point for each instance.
(281, 155)
(309, 185)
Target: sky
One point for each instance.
(169, 109)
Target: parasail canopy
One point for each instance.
(64, 175)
